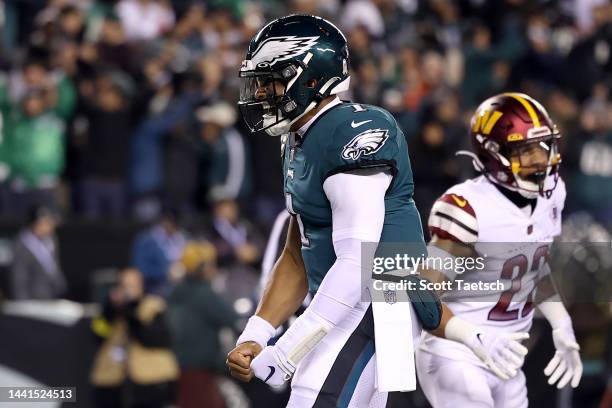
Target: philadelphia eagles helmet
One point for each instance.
(308, 55)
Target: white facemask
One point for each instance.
(284, 125)
(527, 189)
(280, 128)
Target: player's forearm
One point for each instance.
(545, 290)
(337, 294)
(435, 276)
(555, 312)
(283, 295)
(444, 248)
(285, 291)
(455, 328)
(550, 305)
(447, 314)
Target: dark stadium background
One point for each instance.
(113, 118)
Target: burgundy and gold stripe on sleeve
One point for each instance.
(452, 217)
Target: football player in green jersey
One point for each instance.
(347, 180)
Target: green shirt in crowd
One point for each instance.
(35, 149)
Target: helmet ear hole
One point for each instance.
(312, 83)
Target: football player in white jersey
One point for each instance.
(508, 216)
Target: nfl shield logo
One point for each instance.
(389, 296)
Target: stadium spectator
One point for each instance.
(369, 79)
(592, 153)
(235, 238)
(181, 149)
(104, 143)
(35, 139)
(145, 19)
(32, 74)
(226, 153)
(363, 13)
(152, 178)
(361, 46)
(197, 314)
(35, 271)
(5, 154)
(156, 250)
(189, 30)
(211, 70)
(480, 57)
(35, 74)
(134, 365)
(267, 198)
(71, 22)
(436, 166)
(541, 63)
(111, 49)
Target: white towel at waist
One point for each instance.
(397, 331)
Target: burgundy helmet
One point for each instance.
(507, 123)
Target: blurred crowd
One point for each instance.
(121, 108)
(126, 110)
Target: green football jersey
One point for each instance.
(347, 137)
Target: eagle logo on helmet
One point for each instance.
(277, 49)
(365, 143)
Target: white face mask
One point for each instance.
(527, 189)
(284, 125)
(280, 128)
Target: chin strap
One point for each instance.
(336, 84)
(479, 167)
(340, 86)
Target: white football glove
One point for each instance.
(272, 367)
(565, 364)
(502, 353)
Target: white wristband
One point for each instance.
(258, 330)
(556, 314)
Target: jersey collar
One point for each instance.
(302, 131)
(517, 199)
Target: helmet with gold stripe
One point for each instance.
(515, 144)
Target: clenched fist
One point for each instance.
(239, 360)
